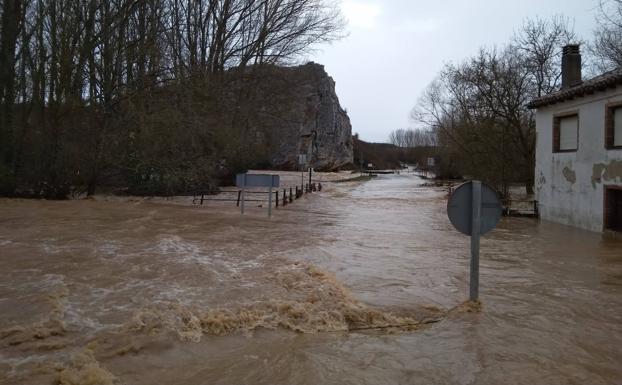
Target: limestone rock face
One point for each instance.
(301, 114)
(324, 132)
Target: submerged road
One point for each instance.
(137, 292)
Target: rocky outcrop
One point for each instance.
(323, 131)
(296, 111)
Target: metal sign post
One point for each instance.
(475, 233)
(474, 209)
(302, 161)
(243, 185)
(270, 201)
(430, 166)
(242, 203)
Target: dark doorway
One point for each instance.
(613, 208)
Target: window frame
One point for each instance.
(557, 118)
(610, 125)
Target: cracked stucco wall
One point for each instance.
(570, 185)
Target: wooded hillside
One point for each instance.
(135, 92)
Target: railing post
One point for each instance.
(243, 189)
(277, 198)
(284, 197)
(270, 201)
(202, 199)
(238, 202)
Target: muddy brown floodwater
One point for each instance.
(353, 285)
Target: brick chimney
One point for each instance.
(571, 66)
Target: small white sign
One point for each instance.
(302, 159)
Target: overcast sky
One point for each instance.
(395, 48)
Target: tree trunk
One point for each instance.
(11, 15)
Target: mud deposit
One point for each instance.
(359, 284)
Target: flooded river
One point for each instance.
(358, 284)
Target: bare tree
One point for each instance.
(12, 18)
(607, 45)
(478, 108)
(411, 138)
(539, 43)
(79, 81)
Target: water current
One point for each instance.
(361, 283)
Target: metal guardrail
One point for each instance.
(287, 195)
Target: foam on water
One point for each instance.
(84, 369)
(316, 302)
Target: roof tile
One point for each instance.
(599, 83)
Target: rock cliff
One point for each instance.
(296, 111)
(323, 131)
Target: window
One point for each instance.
(613, 208)
(565, 133)
(613, 126)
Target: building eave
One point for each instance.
(599, 83)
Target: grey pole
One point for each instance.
(243, 188)
(270, 202)
(475, 233)
(242, 205)
(310, 177)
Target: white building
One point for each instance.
(579, 149)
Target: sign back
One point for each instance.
(460, 213)
(256, 180)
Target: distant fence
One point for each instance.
(520, 208)
(282, 197)
(514, 207)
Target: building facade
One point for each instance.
(579, 149)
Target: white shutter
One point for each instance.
(568, 127)
(617, 127)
